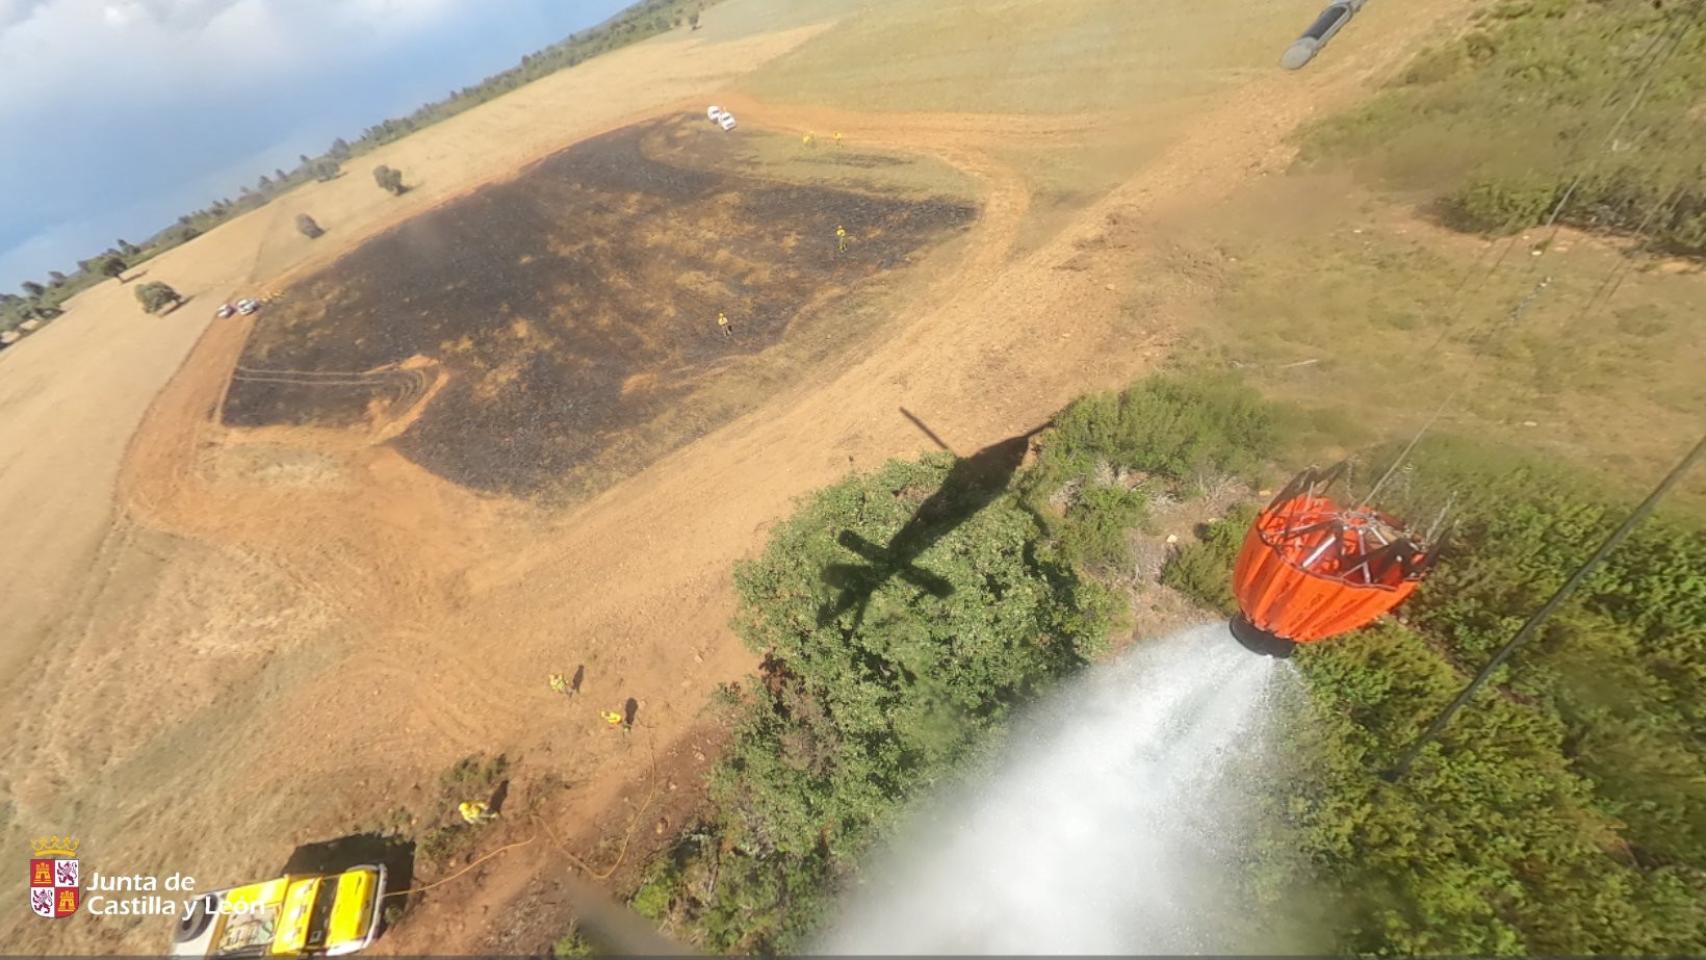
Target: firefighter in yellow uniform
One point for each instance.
(838, 138)
(840, 239)
(807, 140)
(723, 323)
(476, 812)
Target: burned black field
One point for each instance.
(569, 305)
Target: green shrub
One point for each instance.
(156, 296)
(1107, 453)
(1203, 570)
(1621, 663)
(1176, 427)
(572, 944)
(1492, 845)
(1501, 205)
(652, 899)
(449, 840)
(873, 689)
(1094, 534)
(474, 774)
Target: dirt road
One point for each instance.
(260, 651)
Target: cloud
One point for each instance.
(107, 104)
(117, 115)
(58, 55)
(11, 11)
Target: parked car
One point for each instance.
(727, 122)
(248, 305)
(225, 311)
(714, 113)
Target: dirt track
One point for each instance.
(355, 623)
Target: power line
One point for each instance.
(1515, 317)
(1614, 277)
(1652, 59)
(1651, 63)
(1545, 612)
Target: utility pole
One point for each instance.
(1545, 612)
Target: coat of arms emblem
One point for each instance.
(54, 877)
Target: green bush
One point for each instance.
(1109, 453)
(1493, 844)
(443, 842)
(1621, 663)
(1203, 570)
(572, 944)
(872, 690)
(1097, 524)
(1176, 427)
(474, 774)
(156, 296)
(1501, 205)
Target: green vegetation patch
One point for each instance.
(1621, 664)
(1493, 844)
(1108, 454)
(1180, 427)
(1496, 123)
(1203, 570)
(904, 615)
(872, 690)
(1561, 812)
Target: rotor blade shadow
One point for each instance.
(972, 483)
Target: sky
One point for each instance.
(116, 116)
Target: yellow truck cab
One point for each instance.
(296, 915)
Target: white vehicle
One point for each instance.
(727, 122)
(715, 113)
(225, 311)
(248, 305)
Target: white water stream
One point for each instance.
(1114, 823)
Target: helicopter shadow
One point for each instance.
(972, 483)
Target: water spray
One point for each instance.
(1114, 822)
